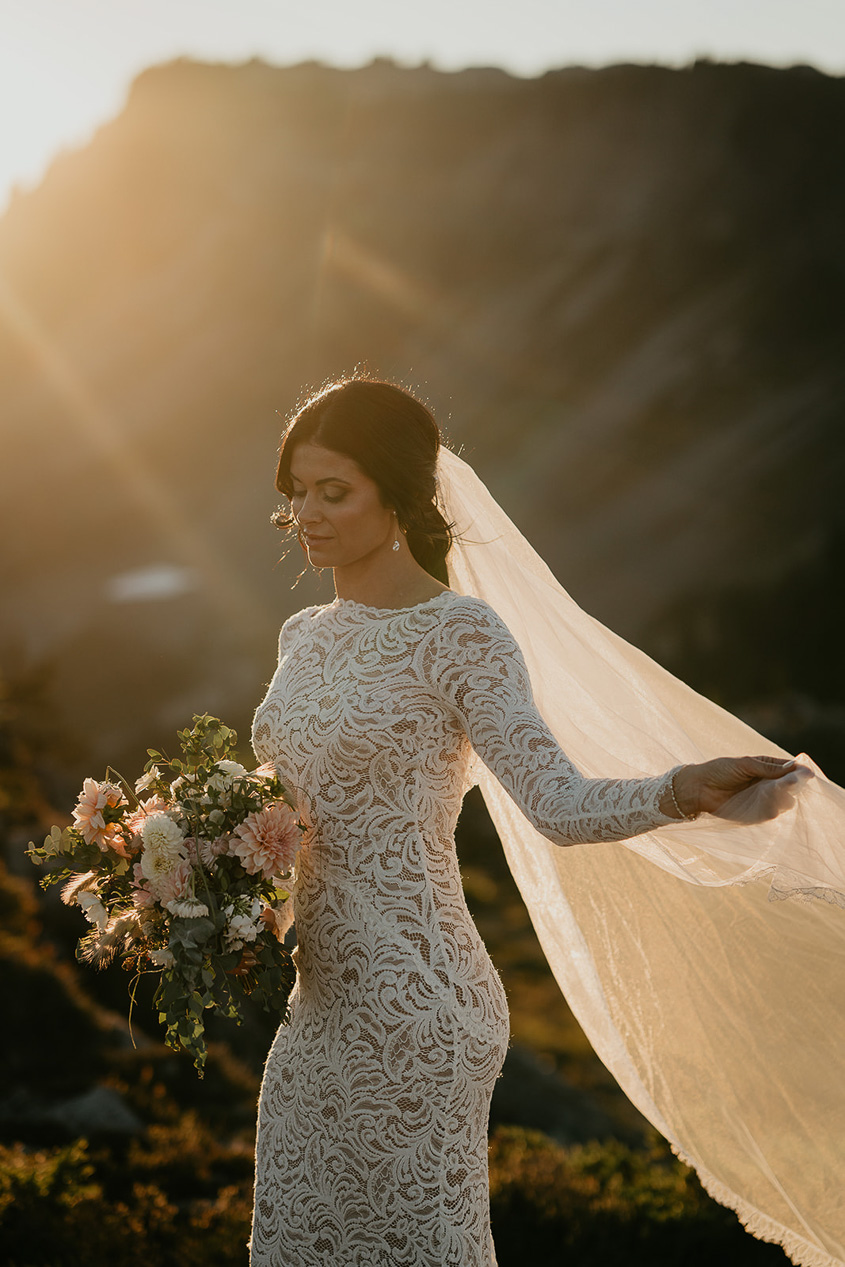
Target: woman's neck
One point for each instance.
(399, 582)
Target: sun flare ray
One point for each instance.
(143, 486)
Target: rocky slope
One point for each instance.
(621, 290)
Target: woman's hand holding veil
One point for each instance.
(742, 789)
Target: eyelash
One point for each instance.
(332, 500)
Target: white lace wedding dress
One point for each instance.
(372, 1130)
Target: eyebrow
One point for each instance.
(330, 479)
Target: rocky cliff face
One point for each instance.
(621, 290)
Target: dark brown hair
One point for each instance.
(394, 439)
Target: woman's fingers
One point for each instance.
(245, 965)
(707, 787)
(773, 791)
(746, 770)
(773, 767)
(726, 777)
(728, 770)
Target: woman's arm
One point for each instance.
(480, 672)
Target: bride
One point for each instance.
(372, 1129)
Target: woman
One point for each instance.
(372, 1142)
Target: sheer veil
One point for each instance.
(716, 1003)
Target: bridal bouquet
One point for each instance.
(185, 877)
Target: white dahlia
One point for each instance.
(164, 846)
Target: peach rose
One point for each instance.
(88, 815)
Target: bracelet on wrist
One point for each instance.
(686, 817)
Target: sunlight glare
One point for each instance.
(134, 471)
(53, 95)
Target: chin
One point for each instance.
(323, 554)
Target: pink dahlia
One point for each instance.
(174, 885)
(211, 850)
(267, 841)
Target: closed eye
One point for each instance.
(297, 494)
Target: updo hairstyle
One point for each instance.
(394, 439)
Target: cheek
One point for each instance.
(361, 517)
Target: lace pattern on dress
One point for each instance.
(372, 1143)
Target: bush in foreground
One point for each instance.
(604, 1203)
(179, 1198)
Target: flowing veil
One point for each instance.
(718, 1005)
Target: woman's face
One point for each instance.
(337, 508)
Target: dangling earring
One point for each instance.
(395, 545)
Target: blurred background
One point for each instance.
(604, 242)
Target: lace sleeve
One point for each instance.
(481, 673)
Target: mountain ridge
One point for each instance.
(620, 289)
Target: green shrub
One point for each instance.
(607, 1204)
(52, 1213)
(55, 1212)
(188, 1160)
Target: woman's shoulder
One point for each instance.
(472, 636)
(467, 607)
(296, 624)
(467, 617)
(304, 614)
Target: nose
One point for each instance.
(309, 511)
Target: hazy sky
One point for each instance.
(65, 64)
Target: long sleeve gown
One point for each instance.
(372, 1126)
